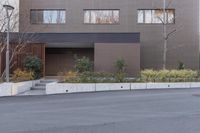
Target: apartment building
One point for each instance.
(106, 30)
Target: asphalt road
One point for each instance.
(155, 111)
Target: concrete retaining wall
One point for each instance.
(59, 88)
(68, 88)
(111, 87)
(6, 89)
(11, 89)
(21, 87)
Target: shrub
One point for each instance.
(20, 75)
(168, 75)
(120, 77)
(89, 77)
(83, 64)
(162, 75)
(95, 77)
(33, 63)
(181, 66)
(120, 65)
(149, 74)
(71, 77)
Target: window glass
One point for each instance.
(156, 16)
(140, 16)
(101, 16)
(87, 17)
(148, 16)
(116, 16)
(48, 16)
(171, 16)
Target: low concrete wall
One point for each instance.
(137, 86)
(114, 86)
(167, 85)
(6, 89)
(195, 85)
(21, 87)
(59, 88)
(68, 88)
(11, 89)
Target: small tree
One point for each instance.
(33, 63)
(181, 66)
(120, 65)
(83, 64)
(120, 75)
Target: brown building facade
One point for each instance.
(106, 30)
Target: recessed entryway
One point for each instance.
(58, 60)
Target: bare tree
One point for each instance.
(20, 39)
(164, 19)
(165, 34)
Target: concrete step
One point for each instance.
(47, 81)
(40, 84)
(38, 88)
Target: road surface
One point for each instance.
(152, 111)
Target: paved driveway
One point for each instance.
(169, 111)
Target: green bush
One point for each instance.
(83, 64)
(181, 66)
(120, 65)
(120, 77)
(33, 63)
(89, 77)
(102, 77)
(168, 75)
(95, 77)
(71, 77)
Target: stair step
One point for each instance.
(40, 84)
(38, 88)
(47, 81)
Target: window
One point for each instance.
(156, 16)
(101, 16)
(48, 16)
